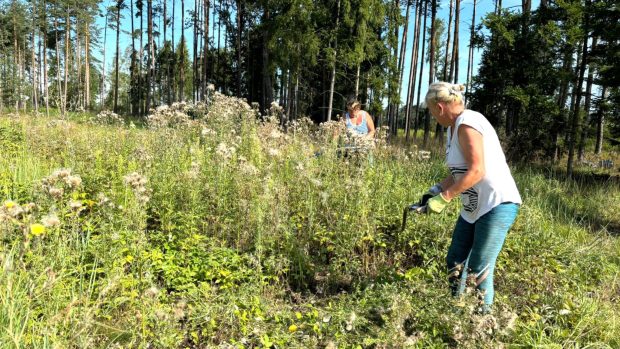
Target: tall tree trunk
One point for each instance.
(431, 70)
(66, 68)
(1, 99)
(454, 70)
(586, 107)
(182, 64)
(296, 103)
(195, 51)
(357, 80)
(431, 58)
(141, 78)
(267, 88)
(332, 81)
(78, 63)
(393, 77)
(423, 30)
(45, 80)
(249, 94)
(16, 81)
(449, 33)
(39, 53)
(289, 96)
(213, 32)
(575, 118)
(219, 35)
(526, 5)
(105, 35)
(470, 58)
(87, 68)
(213, 25)
(118, 52)
(165, 14)
(205, 49)
(58, 80)
(559, 122)
(225, 84)
(133, 67)
(401, 58)
(239, 34)
(413, 68)
(15, 77)
(151, 54)
(283, 92)
(573, 97)
(33, 70)
(600, 121)
(171, 68)
(22, 72)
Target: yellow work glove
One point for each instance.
(437, 203)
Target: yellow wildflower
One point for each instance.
(9, 204)
(292, 328)
(37, 229)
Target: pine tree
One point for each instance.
(413, 69)
(401, 57)
(120, 5)
(423, 30)
(332, 62)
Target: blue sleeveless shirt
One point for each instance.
(361, 128)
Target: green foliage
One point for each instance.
(229, 232)
(529, 73)
(183, 65)
(519, 77)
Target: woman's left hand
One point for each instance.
(437, 203)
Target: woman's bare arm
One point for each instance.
(471, 143)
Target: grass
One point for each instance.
(230, 233)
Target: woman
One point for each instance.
(357, 120)
(480, 175)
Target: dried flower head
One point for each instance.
(76, 205)
(107, 117)
(60, 180)
(51, 220)
(224, 151)
(137, 183)
(166, 116)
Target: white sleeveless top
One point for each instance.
(497, 186)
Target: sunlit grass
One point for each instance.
(228, 232)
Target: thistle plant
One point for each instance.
(106, 117)
(216, 228)
(165, 116)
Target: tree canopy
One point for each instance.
(548, 77)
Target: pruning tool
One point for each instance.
(419, 207)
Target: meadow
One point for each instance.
(209, 227)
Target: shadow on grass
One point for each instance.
(326, 273)
(584, 183)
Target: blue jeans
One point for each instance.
(475, 247)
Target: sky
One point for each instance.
(483, 7)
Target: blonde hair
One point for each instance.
(444, 92)
(353, 103)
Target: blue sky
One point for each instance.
(483, 7)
